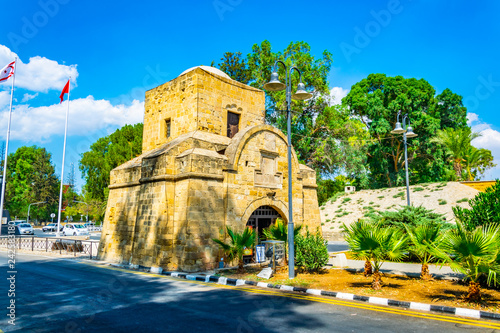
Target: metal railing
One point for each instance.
(59, 245)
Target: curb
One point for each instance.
(477, 314)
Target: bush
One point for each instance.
(311, 252)
(485, 209)
(410, 216)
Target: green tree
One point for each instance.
(475, 254)
(424, 240)
(325, 138)
(476, 162)
(457, 142)
(376, 100)
(377, 243)
(106, 154)
(31, 178)
(485, 209)
(237, 244)
(234, 65)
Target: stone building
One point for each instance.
(208, 161)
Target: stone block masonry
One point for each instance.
(208, 161)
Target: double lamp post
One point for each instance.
(301, 94)
(407, 133)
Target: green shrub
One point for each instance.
(311, 252)
(346, 200)
(381, 197)
(338, 210)
(410, 216)
(442, 202)
(322, 223)
(322, 208)
(328, 220)
(418, 189)
(485, 209)
(326, 214)
(400, 194)
(462, 200)
(426, 196)
(371, 203)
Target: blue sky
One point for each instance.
(115, 51)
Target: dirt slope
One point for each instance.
(440, 197)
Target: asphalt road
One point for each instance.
(61, 295)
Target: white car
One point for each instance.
(25, 229)
(75, 229)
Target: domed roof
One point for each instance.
(208, 69)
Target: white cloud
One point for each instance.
(27, 97)
(472, 117)
(86, 116)
(336, 95)
(39, 74)
(489, 139)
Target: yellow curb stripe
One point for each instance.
(348, 303)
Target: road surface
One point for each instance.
(63, 295)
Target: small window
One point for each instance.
(233, 121)
(167, 128)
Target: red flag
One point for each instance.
(64, 91)
(7, 71)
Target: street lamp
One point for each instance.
(407, 133)
(301, 94)
(34, 203)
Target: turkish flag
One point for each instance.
(64, 91)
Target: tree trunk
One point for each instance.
(368, 268)
(424, 273)
(474, 293)
(377, 281)
(241, 269)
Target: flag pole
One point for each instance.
(62, 171)
(7, 147)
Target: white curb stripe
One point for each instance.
(175, 274)
(420, 306)
(191, 277)
(314, 291)
(207, 278)
(288, 288)
(345, 296)
(467, 313)
(222, 280)
(378, 300)
(240, 282)
(262, 284)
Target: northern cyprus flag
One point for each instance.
(7, 71)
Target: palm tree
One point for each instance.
(477, 161)
(475, 254)
(376, 243)
(424, 240)
(238, 242)
(457, 141)
(279, 231)
(358, 228)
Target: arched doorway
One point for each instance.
(261, 219)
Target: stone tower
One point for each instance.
(208, 161)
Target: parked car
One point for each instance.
(75, 229)
(26, 229)
(17, 222)
(52, 227)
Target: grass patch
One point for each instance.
(418, 189)
(426, 196)
(462, 200)
(322, 208)
(442, 202)
(399, 195)
(346, 200)
(381, 197)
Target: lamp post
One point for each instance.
(407, 133)
(301, 95)
(29, 207)
(87, 216)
